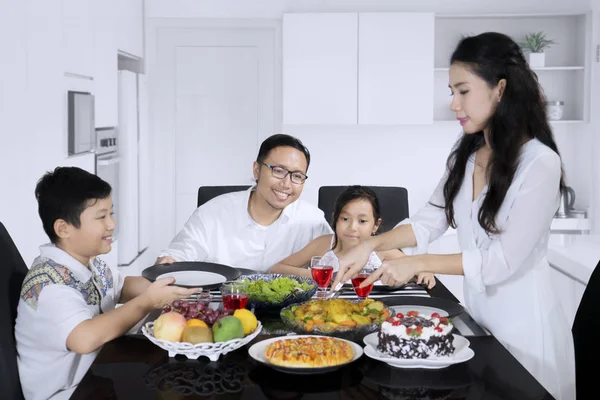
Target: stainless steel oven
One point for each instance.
(81, 124)
(107, 165)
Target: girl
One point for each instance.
(500, 191)
(356, 217)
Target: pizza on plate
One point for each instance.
(309, 352)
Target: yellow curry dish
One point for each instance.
(333, 313)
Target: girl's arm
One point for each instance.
(294, 264)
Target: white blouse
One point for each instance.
(507, 287)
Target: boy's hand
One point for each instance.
(160, 293)
(164, 260)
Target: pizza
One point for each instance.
(309, 352)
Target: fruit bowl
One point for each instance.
(193, 351)
(263, 302)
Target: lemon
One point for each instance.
(196, 322)
(249, 321)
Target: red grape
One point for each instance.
(176, 304)
(185, 304)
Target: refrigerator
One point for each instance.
(133, 179)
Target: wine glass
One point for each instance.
(322, 272)
(234, 295)
(363, 292)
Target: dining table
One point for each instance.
(132, 367)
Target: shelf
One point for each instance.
(562, 121)
(568, 68)
(508, 16)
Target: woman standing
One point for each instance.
(500, 191)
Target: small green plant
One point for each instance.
(536, 42)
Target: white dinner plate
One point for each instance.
(257, 352)
(461, 354)
(194, 278)
(420, 309)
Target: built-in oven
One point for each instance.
(107, 165)
(80, 121)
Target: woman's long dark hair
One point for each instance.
(353, 193)
(519, 116)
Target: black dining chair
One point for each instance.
(12, 274)
(586, 327)
(393, 202)
(206, 193)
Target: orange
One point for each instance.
(196, 322)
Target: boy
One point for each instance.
(66, 311)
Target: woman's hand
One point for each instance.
(352, 262)
(426, 277)
(397, 272)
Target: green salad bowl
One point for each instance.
(262, 298)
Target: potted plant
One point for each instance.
(535, 43)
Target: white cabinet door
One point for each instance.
(130, 26)
(128, 168)
(568, 292)
(320, 53)
(78, 37)
(395, 68)
(105, 64)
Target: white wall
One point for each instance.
(274, 8)
(33, 138)
(409, 156)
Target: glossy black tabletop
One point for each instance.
(134, 368)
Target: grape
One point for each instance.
(201, 306)
(209, 311)
(176, 304)
(211, 319)
(193, 309)
(167, 309)
(227, 312)
(185, 304)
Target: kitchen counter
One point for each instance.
(574, 255)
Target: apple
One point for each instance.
(169, 326)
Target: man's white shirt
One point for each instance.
(222, 231)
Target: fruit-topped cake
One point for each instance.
(416, 335)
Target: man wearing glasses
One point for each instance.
(256, 228)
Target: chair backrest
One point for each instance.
(12, 274)
(585, 337)
(393, 202)
(206, 193)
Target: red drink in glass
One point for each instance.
(322, 274)
(364, 291)
(235, 301)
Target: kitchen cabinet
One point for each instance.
(358, 68)
(568, 291)
(395, 74)
(78, 37)
(320, 53)
(105, 72)
(129, 16)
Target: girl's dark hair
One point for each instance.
(64, 194)
(519, 116)
(353, 193)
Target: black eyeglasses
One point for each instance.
(280, 173)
